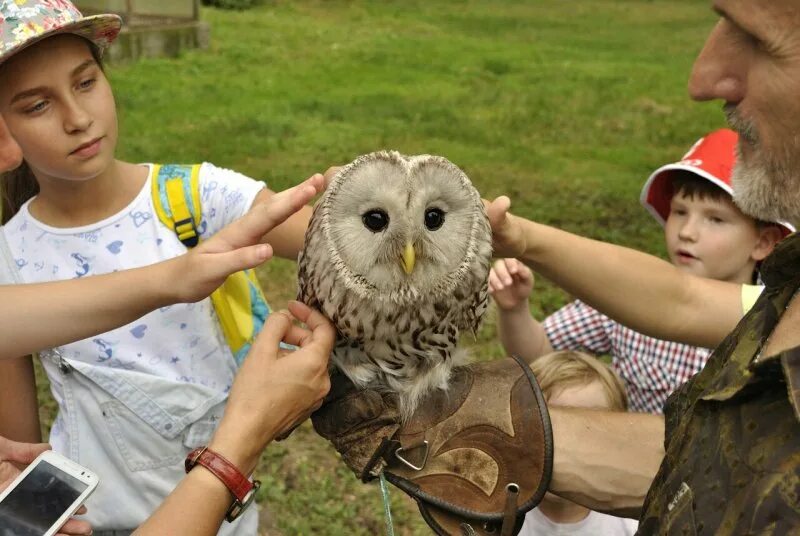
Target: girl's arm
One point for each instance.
(638, 290)
(49, 314)
(44, 315)
(19, 405)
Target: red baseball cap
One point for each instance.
(712, 158)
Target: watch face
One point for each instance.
(251, 495)
(237, 507)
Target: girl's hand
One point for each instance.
(510, 284)
(237, 247)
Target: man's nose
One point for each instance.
(718, 71)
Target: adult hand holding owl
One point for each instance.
(397, 255)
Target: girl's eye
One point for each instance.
(375, 220)
(37, 107)
(434, 218)
(86, 84)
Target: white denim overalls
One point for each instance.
(110, 416)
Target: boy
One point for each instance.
(577, 380)
(706, 235)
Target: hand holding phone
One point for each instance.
(44, 496)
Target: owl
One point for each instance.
(397, 255)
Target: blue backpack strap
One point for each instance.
(176, 197)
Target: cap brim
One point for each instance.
(657, 192)
(101, 30)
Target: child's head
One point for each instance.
(706, 234)
(54, 96)
(576, 379)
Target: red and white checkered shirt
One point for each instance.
(650, 368)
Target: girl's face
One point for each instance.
(58, 105)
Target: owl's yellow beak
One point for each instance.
(409, 258)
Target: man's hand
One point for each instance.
(237, 247)
(14, 457)
(510, 284)
(275, 389)
(508, 238)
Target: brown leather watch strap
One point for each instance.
(242, 489)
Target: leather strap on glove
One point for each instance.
(476, 457)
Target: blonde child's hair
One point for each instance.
(559, 370)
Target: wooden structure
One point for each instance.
(152, 28)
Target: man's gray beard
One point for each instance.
(768, 189)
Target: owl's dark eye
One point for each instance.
(375, 220)
(434, 218)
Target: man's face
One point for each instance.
(751, 61)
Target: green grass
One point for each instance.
(566, 106)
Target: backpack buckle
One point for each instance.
(187, 232)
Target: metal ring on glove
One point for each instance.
(408, 463)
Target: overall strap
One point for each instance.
(176, 197)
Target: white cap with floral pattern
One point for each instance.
(26, 22)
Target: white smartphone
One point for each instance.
(44, 496)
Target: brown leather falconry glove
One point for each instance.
(476, 457)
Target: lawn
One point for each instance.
(566, 106)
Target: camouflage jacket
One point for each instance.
(732, 463)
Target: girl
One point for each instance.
(135, 400)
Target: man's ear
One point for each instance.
(768, 237)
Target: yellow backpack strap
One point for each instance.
(239, 302)
(176, 197)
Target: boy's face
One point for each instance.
(712, 238)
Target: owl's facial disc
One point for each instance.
(402, 230)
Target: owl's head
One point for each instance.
(404, 227)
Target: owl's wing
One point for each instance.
(477, 285)
(306, 283)
(480, 302)
(470, 304)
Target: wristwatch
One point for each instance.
(242, 489)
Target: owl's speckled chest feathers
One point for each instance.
(379, 343)
(382, 343)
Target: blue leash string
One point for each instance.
(387, 510)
